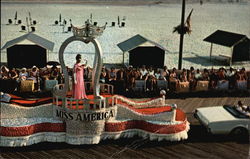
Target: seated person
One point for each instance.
(205, 75)
(4, 74)
(173, 80)
(198, 75)
(103, 75)
(243, 108)
(54, 73)
(150, 79)
(137, 73)
(13, 74)
(221, 74)
(243, 74)
(213, 76)
(183, 75)
(159, 75)
(165, 73)
(23, 75)
(34, 73)
(45, 73)
(230, 76)
(144, 72)
(112, 75)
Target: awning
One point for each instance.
(225, 38)
(40, 41)
(136, 41)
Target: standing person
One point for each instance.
(78, 80)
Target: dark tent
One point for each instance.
(27, 51)
(143, 52)
(239, 44)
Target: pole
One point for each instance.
(181, 35)
(27, 24)
(211, 49)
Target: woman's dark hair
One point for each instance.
(78, 56)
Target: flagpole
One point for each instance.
(181, 34)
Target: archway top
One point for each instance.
(88, 31)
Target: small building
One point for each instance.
(143, 52)
(239, 44)
(28, 50)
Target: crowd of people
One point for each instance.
(14, 76)
(124, 79)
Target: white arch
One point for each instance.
(97, 64)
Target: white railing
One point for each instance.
(87, 104)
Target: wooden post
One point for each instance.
(182, 34)
(211, 48)
(232, 50)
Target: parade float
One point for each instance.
(62, 118)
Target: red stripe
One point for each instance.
(143, 125)
(109, 127)
(32, 129)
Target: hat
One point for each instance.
(24, 69)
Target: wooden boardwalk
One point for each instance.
(199, 145)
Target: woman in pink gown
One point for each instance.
(78, 81)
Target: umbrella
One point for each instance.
(53, 63)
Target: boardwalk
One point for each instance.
(199, 145)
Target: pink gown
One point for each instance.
(79, 88)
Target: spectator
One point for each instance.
(150, 79)
(198, 75)
(205, 75)
(230, 76)
(13, 74)
(243, 74)
(34, 74)
(130, 78)
(144, 72)
(54, 73)
(112, 76)
(173, 80)
(183, 76)
(45, 73)
(89, 73)
(159, 75)
(191, 79)
(103, 75)
(4, 74)
(120, 76)
(23, 75)
(213, 78)
(165, 73)
(221, 74)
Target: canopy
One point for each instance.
(38, 40)
(225, 38)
